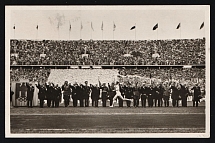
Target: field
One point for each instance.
(108, 120)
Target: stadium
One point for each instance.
(68, 85)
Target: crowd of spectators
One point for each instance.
(142, 52)
(19, 74)
(191, 75)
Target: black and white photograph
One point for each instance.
(107, 71)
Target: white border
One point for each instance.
(8, 10)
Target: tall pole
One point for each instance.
(102, 34)
(180, 30)
(14, 31)
(37, 31)
(135, 31)
(157, 33)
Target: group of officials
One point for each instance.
(154, 94)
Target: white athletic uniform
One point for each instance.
(118, 93)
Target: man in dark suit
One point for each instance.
(75, 94)
(86, 94)
(136, 95)
(196, 95)
(128, 94)
(81, 93)
(30, 94)
(49, 95)
(174, 94)
(57, 95)
(95, 95)
(150, 95)
(112, 92)
(144, 93)
(41, 94)
(183, 93)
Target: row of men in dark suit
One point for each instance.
(49, 92)
(155, 95)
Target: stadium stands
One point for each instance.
(143, 52)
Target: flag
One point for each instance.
(92, 26)
(20, 94)
(14, 27)
(102, 26)
(202, 25)
(81, 26)
(179, 25)
(133, 27)
(70, 27)
(155, 27)
(37, 27)
(114, 26)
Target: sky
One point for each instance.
(27, 18)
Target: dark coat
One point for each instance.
(144, 92)
(197, 93)
(42, 92)
(175, 93)
(95, 93)
(30, 92)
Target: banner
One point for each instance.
(19, 97)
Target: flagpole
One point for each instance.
(14, 28)
(135, 31)
(37, 31)
(113, 30)
(14, 33)
(157, 33)
(180, 30)
(102, 34)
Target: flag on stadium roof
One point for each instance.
(102, 26)
(179, 25)
(202, 25)
(37, 27)
(14, 27)
(155, 27)
(81, 26)
(133, 27)
(114, 26)
(92, 26)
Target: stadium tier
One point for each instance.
(121, 52)
(131, 75)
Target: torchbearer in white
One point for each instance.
(118, 94)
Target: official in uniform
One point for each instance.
(104, 94)
(66, 93)
(128, 94)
